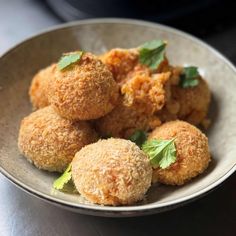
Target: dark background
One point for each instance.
(202, 18)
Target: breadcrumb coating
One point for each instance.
(50, 142)
(38, 91)
(112, 172)
(193, 102)
(143, 93)
(189, 104)
(123, 61)
(120, 62)
(85, 90)
(192, 150)
(123, 121)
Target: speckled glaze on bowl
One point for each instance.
(18, 65)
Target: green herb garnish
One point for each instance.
(152, 53)
(64, 179)
(68, 59)
(189, 77)
(138, 137)
(162, 153)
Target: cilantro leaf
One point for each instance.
(60, 183)
(138, 137)
(189, 77)
(68, 59)
(162, 153)
(152, 53)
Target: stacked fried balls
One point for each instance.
(88, 106)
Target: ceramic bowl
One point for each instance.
(19, 64)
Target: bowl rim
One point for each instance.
(117, 209)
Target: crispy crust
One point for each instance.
(143, 93)
(189, 104)
(192, 148)
(120, 62)
(86, 90)
(50, 142)
(194, 102)
(38, 91)
(112, 172)
(123, 121)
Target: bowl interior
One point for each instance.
(19, 65)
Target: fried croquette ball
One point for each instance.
(193, 102)
(38, 91)
(120, 61)
(189, 104)
(146, 92)
(112, 172)
(50, 142)
(192, 152)
(85, 90)
(123, 121)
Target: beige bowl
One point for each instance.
(18, 65)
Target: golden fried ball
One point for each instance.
(39, 87)
(143, 94)
(192, 150)
(189, 104)
(50, 142)
(123, 121)
(120, 62)
(194, 102)
(112, 172)
(83, 91)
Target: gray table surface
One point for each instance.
(22, 214)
